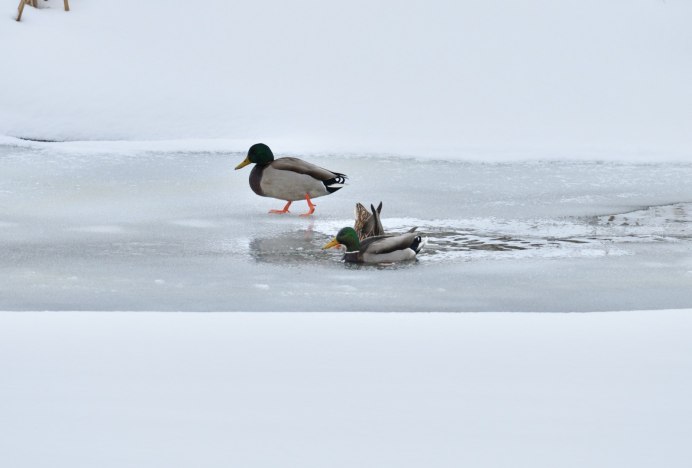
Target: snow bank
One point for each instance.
(522, 78)
(344, 390)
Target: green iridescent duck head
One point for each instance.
(258, 153)
(346, 236)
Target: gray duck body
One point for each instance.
(387, 248)
(291, 179)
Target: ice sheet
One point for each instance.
(183, 231)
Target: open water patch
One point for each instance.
(570, 237)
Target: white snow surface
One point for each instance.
(273, 390)
(477, 80)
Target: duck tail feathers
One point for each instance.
(418, 243)
(377, 229)
(335, 183)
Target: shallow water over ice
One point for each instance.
(183, 231)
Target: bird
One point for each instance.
(378, 249)
(368, 224)
(289, 179)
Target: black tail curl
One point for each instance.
(416, 244)
(335, 183)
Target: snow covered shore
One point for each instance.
(343, 390)
(400, 77)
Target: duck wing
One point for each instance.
(304, 167)
(391, 243)
(362, 217)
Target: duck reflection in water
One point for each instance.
(289, 248)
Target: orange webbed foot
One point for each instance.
(311, 206)
(282, 211)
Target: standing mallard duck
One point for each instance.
(380, 249)
(289, 179)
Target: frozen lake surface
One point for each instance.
(135, 230)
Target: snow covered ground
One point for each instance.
(343, 390)
(398, 76)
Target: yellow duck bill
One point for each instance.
(330, 244)
(245, 162)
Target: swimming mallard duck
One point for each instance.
(368, 224)
(380, 249)
(289, 179)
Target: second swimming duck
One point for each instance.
(368, 224)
